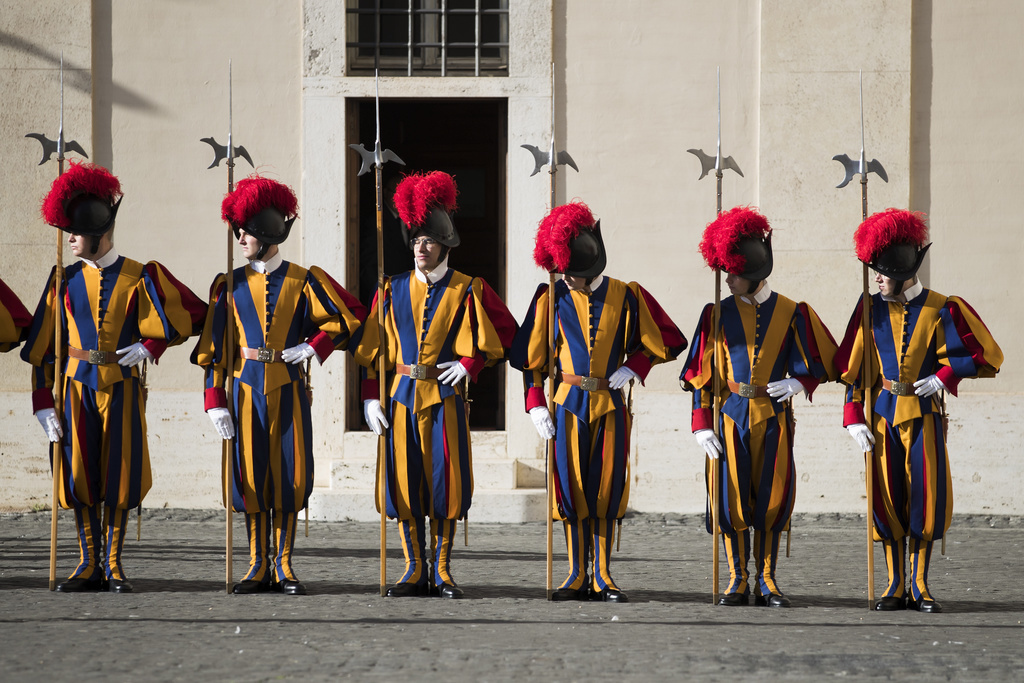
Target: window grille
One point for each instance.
(427, 37)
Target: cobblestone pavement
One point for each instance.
(179, 624)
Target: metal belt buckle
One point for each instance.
(590, 383)
(748, 390)
(901, 388)
(97, 357)
(265, 355)
(418, 371)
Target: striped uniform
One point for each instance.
(273, 457)
(596, 333)
(14, 319)
(429, 454)
(760, 343)
(913, 490)
(105, 451)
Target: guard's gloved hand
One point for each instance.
(784, 389)
(709, 442)
(543, 422)
(222, 422)
(51, 425)
(297, 354)
(454, 372)
(373, 416)
(621, 377)
(862, 435)
(134, 354)
(928, 386)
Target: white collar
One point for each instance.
(759, 298)
(908, 294)
(104, 261)
(268, 266)
(436, 274)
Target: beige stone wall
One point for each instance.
(635, 87)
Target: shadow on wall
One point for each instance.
(78, 77)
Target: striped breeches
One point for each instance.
(591, 466)
(429, 462)
(273, 463)
(756, 476)
(913, 488)
(106, 457)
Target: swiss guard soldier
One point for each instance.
(14, 319)
(608, 334)
(442, 326)
(282, 315)
(923, 343)
(770, 348)
(116, 314)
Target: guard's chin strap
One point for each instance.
(262, 252)
(754, 284)
(444, 253)
(94, 242)
(897, 287)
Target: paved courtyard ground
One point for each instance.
(180, 625)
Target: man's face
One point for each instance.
(737, 285)
(426, 251)
(250, 245)
(575, 283)
(81, 246)
(78, 246)
(886, 285)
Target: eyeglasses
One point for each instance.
(425, 241)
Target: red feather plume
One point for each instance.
(723, 234)
(885, 228)
(80, 178)
(551, 250)
(252, 195)
(417, 194)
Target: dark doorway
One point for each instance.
(467, 139)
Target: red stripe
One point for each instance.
(498, 313)
(842, 359)
(966, 333)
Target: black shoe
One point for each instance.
(289, 587)
(120, 586)
(408, 590)
(608, 595)
(923, 605)
(735, 599)
(890, 604)
(771, 600)
(250, 586)
(449, 590)
(79, 585)
(568, 594)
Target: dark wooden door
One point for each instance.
(467, 139)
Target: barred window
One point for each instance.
(427, 37)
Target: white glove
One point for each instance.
(621, 377)
(928, 386)
(784, 389)
(543, 422)
(862, 435)
(454, 372)
(373, 416)
(709, 442)
(297, 354)
(51, 425)
(134, 354)
(222, 422)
